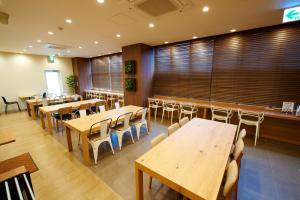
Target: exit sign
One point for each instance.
(291, 14)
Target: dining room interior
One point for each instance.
(150, 99)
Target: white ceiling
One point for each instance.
(31, 20)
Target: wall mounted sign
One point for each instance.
(291, 14)
(51, 58)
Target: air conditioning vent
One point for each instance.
(56, 46)
(157, 8)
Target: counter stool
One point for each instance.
(170, 107)
(251, 119)
(188, 109)
(154, 103)
(221, 114)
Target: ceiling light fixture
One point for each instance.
(29, 46)
(233, 30)
(69, 21)
(39, 41)
(151, 25)
(96, 42)
(100, 1)
(118, 35)
(166, 42)
(80, 47)
(194, 37)
(24, 50)
(50, 33)
(205, 9)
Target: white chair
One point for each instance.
(241, 135)
(238, 151)
(155, 141)
(154, 103)
(169, 107)
(111, 98)
(231, 183)
(102, 108)
(221, 114)
(99, 133)
(173, 128)
(188, 109)
(251, 119)
(121, 99)
(122, 128)
(183, 121)
(117, 105)
(139, 122)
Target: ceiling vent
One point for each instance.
(56, 46)
(157, 8)
(4, 18)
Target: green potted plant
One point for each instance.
(130, 84)
(130, 67)
(71, 81)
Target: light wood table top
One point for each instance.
(6, 138)
(191, 161)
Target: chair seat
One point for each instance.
(12, 102)
(137, 121)
(249, 122)
(96, 136)
(120, 127)
(188, 111)
(170, 109)
(220, 117)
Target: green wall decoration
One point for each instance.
(130, 66)
(130, 84)
(71, 81)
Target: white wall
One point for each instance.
(22, 74)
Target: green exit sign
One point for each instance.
(51, 58)
(291, 14)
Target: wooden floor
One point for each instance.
(60, 175)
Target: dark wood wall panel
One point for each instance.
(82, 69)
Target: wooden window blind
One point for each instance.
(107, 72)
(184, 69)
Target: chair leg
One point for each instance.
(57, 126)
(19, 106)
(120, 136)
(130, 132)
(110, 144)
(155, 114)
(95, 151)
(238, 131)
(256, 134)
(6, 109)
(162, 117)
(150, 182)
(138, 130)
(79, 139)
(172, 117)
(180, 115)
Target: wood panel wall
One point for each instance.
(144, 57)
(82, 69)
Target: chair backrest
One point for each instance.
(254, 116)
(169, 104)
(102, 126)
(173, 128)
(153, 102)
(117, 105)
(63, 111)
(141, 113)
(242, 134)
(82, 113)
(126, 119)
(155, 141)
(231, 179)
(225, 112)
(187, 107)
(238, 151)
(4, 99)
(102, 108)
(183, 121)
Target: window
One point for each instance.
(53, 82)
(107, 73)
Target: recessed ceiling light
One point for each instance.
(30, 46)
(96, 42)
(100, 1)
(69, 21)
(109, 52)
(24, 50)
(98, 55)
(120, 50)
(50, 33)
(194, 37)
(80, 47)
(233, 30)
(39, 41)
(151, 25)
(166, 42)
(118, 35)
(205, 9)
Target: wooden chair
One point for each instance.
(221, 114)
(251, 119)
(138, 121)
(154, 103)
(155, 141)
(188, 109)
(122, 126)
(8, 103)
(170, 107)
(183, 121)
(99, 133)
(173, 128)
(63, 114)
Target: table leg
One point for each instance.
(48, 117)
(28, 109)
(85, 149)
(42, 119)
(32, 111)
(204, 113)
(69, 139)
(149, 119)
(139, 183)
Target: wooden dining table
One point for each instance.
(191, 161)
(47, 110)
(82, 126)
